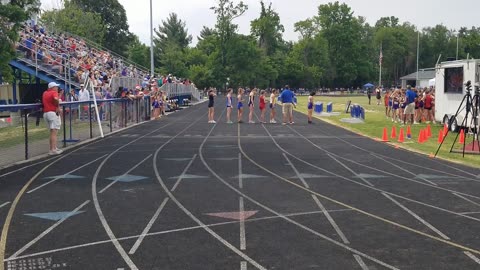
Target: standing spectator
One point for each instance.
(286, 97)
(378, 92)
(83, 95)
(51, 114)
(369, 96)
(410, 96)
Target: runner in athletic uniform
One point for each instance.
(262, 106)
(211, 104)
(310, 107)
(386, 100)
(273, 102)
(428, 107)
(229, 105)
(251, 105)
(240, 105)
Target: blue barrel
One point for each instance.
(352, 110)
(318, 107)
(329, 107)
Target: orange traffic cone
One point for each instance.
(462, 137)
(401, 136)
(394, 132)
(385, 135)
(409, 132)
(440, 137)
(422, 136)
(429, 131)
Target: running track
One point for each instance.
(179, 193)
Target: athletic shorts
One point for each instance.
(287, 108)
(410, 108)
(310, 106)
(53, 120)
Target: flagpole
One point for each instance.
(380, 60)
(418, 56)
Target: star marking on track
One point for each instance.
(55, 216)
(243, 215)
(369, 176)
(66, 176)
(127, 178)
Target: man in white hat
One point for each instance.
(51, 114)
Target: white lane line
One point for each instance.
(159, 210)
(330, 219)
(243, 265)
(147, 228)
(198, 221)
(296, 172)
(319, 204)
(169, 231)
(70, 172)
(466, 199)
(469, 213)
(243, 239)
(123, 175)
(4, 204)
(350, 170)
(28, 166)
(403, 169)
(40, 236)
(240, 180)
(417, 217)
(360, 262)
(180, 178)
(471, 256)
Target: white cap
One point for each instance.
(53, 84)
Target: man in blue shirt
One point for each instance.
(411, 96)
(287, 99)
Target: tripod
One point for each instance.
(472, 112)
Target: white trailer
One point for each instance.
(450, 90)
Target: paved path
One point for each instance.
(179, 193)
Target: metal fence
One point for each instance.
(181, 90)
(24, 134)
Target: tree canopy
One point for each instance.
(335, 48)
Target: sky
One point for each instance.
(197, 13)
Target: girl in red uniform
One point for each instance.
(262, 106)
(428, 107)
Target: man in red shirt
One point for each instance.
(51, 114)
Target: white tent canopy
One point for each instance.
(431, 82)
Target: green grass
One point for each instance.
(376, 120)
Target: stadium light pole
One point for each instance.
(152, 71)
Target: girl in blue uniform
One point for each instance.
(229, 105)
(310, 107)
(240, 105)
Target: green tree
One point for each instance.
(73, 20)
(306, 28)
(171, 33)
(226, 12)
(205, 33)
(469, 42)
(267, 29)
(343, 33)
(139, 53)
(12, 15)
(114, 19)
